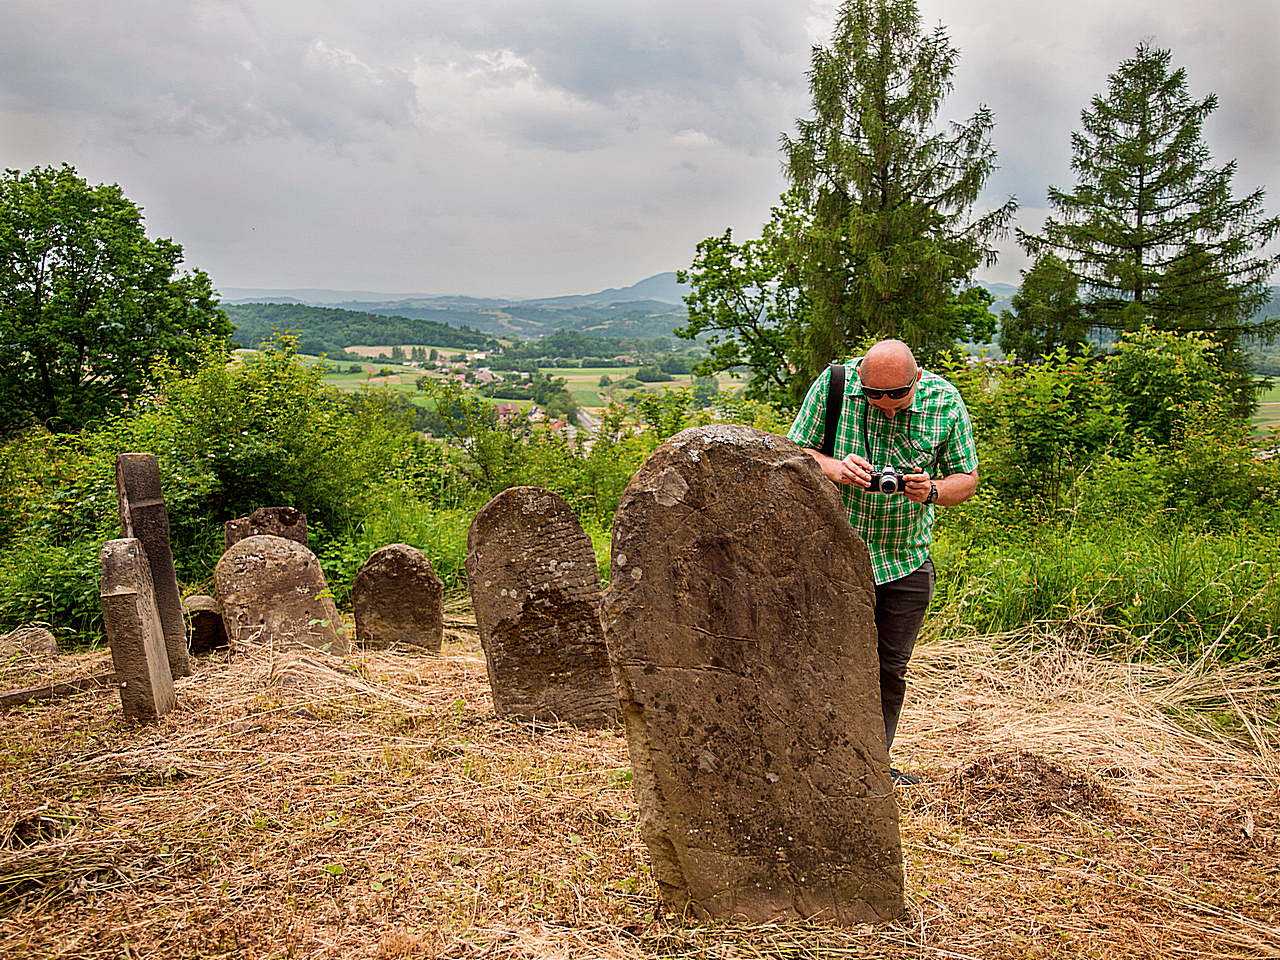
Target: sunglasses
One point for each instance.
(897, 393)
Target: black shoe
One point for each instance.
(901, 779)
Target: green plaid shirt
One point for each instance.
(932, 434)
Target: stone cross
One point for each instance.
(143, 515)
(535, 588)
(741, 630)
(133, 629)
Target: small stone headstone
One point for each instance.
(208, 633)
(34, 642)
(398, 599)
(287, 522)
(272, 590)
(741, 630)
(143, 515)
(133, 629)
(535, 588)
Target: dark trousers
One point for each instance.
(900, 607)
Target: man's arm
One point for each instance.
(953, 489)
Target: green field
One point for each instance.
(1268, 414)
(582, 382)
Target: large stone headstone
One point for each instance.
(741, 630)
(535, 588)
(272, 590)
(134, 631)
(143, 515)
(397, 598)
(287, 522)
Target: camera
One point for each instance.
(887, 480)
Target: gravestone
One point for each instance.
(272, 590)
(29, 642)
(133, 629)
(741, 630)
(143, 515)
(398, 599)
(287, 522)
(208, 633)
(535, 588)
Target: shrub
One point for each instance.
(652, 374)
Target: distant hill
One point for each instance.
(650, 308)
(660, 288)
(331, 330)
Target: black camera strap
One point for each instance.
(835, 404)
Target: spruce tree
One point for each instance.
(1151, 229)
(888, 234)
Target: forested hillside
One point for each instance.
(330, 329)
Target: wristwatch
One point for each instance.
(933, 494)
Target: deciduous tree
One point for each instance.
(87, 300)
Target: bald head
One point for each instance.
(889, 363)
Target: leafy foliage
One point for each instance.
(1044, 425)
(745, 299)
(88, 301)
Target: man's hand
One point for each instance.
(853, 469)
(917, 487)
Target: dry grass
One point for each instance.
(304, 805)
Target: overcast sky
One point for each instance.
(540, 147)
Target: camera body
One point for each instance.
(887, 480)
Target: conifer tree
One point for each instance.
(1151, 229)
(1046, 314)
(889, 235)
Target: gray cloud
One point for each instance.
(535, 146)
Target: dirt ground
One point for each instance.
(302, 805)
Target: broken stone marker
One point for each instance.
(398, 599)
(133, 629)
(29, 642)
(287, 522)
(534, 584)
(208, 633)
(143, 515)
(741, 631)
(272, 590)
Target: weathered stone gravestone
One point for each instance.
(397, 598)
(143, 515)
(272, 590)
(741, 631)
(208, 633)
(134, 631)
(287, 522)
(535, 588)
(29, 642)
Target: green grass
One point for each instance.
(1167, 592)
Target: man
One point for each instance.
(894, 415)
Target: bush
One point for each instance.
(652, 374)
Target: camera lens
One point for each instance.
(888, 484)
